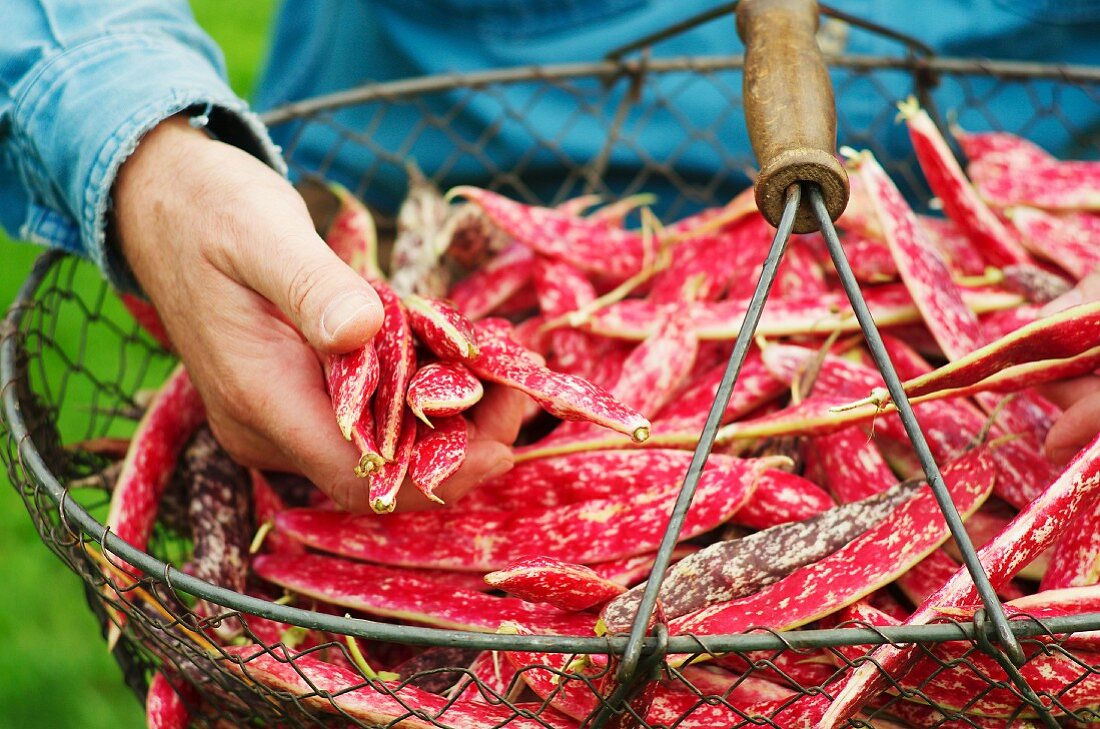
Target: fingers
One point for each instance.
(485, 459)
(1074, 430)
(201, 201)
(493, 427)
(1065, 393)
(274, 412)
(1080, 397)
(1088, 289)
(499, 415)
(333, 307)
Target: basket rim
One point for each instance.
(609, 71)
(76, 517)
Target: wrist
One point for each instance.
(148, 185)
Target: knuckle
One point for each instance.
(343, 495)
(302, 282)
(231, 395)
(229, 436)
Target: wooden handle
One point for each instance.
(789, 107)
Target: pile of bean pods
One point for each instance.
(811, 510)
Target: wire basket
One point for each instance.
(54, 395)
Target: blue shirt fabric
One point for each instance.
(82, 80)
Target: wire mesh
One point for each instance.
(301, 670)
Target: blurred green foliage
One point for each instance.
(54, 669)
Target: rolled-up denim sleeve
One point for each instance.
(81, 82)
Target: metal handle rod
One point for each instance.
(633, 649)
(913, 430)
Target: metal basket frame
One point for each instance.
(31, 456)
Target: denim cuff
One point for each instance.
(82, 114)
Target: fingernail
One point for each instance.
(1063, 302)
(1057, 456)
(343, 311)
(499, 468)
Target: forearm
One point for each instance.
(81, 83)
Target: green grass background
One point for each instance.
(54, 669)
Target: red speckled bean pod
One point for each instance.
(927, 576)
(835, 375)
(564, 585)
(801, 273)
(870, 259)
(858, 217)
(442, 328)
(353, 236)
(961, 202)
(978, 146)
(957, 251)
(781, 498)
(386, 480)
(589, 245)
(1049, 184)
(437, 454)
(1076, 558)
(483, 540)
(362, 437)
(710, 264)
(958, 678)
(1021, 377)
(333, 689)
(927, 277)
(408, 595)
(165, 707)
(573, 690)
(1062, 335)
(266, 505)
(397, 360)
(570, 398)
(983, 526)
(797, 668)
(562, 288)
(489, 678)
(578, 477)
(352, 379)
(173, 415)
(479, 294)
(676, 705)
(658, 366)
(915, 714)
(1060, 239)
(732, 569)
(440, 389)
(147, 317)
(948, 425)
(868, 562)
(629, 570)
(850, 464)
(951, 322)
(1032, 531)
(821, 314)
(755, 387)
(714, 680)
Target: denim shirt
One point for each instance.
(82, 80)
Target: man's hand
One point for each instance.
(250, 294)
(1079, 397)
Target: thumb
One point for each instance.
(333, 307)
(1087, 290)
